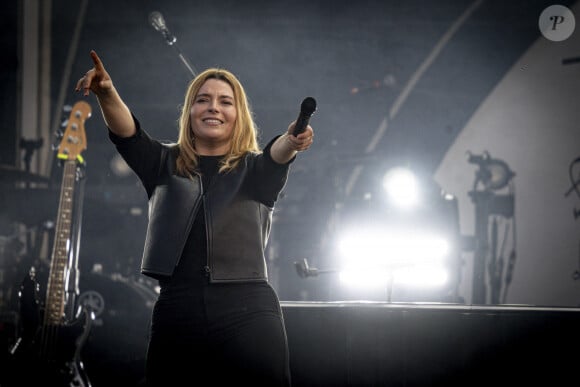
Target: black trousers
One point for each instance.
(218, 335)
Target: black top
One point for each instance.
(191, 266)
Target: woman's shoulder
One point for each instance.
(170, 148)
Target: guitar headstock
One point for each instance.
(74, 140)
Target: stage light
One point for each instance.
(393, 245)
(422, 276)
(365, 278)
(403, 242)
(374, 255)
(493, 174)
(499, 174)
(417, 276)
(402, 187)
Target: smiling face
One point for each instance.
(213, 116)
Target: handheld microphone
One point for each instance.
(307, 108)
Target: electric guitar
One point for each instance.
(48, 349)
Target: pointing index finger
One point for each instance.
(97, 61)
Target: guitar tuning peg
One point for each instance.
(64, 123)
(59, 134)
(67, 108)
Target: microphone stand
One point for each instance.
(157, 21)
(184, 60)
(304, 270)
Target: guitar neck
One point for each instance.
(56, 290)
(69, 151)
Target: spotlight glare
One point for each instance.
(387, 246)
(402, 187)
(366, 279)
(373, 255)
(422, 276)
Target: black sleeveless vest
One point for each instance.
(237, 226)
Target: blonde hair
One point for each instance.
(245, 133)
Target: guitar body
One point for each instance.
(48, 354)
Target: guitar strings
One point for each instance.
(55, 296)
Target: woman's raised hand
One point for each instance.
(96, 79)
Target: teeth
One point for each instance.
(212, 122)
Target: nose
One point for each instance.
(213, 106)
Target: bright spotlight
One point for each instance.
(385, 246)
(402, 187)
(373, 256)
(422, 276)
(365, 278)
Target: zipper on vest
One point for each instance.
(208, 236)
(206, 269)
